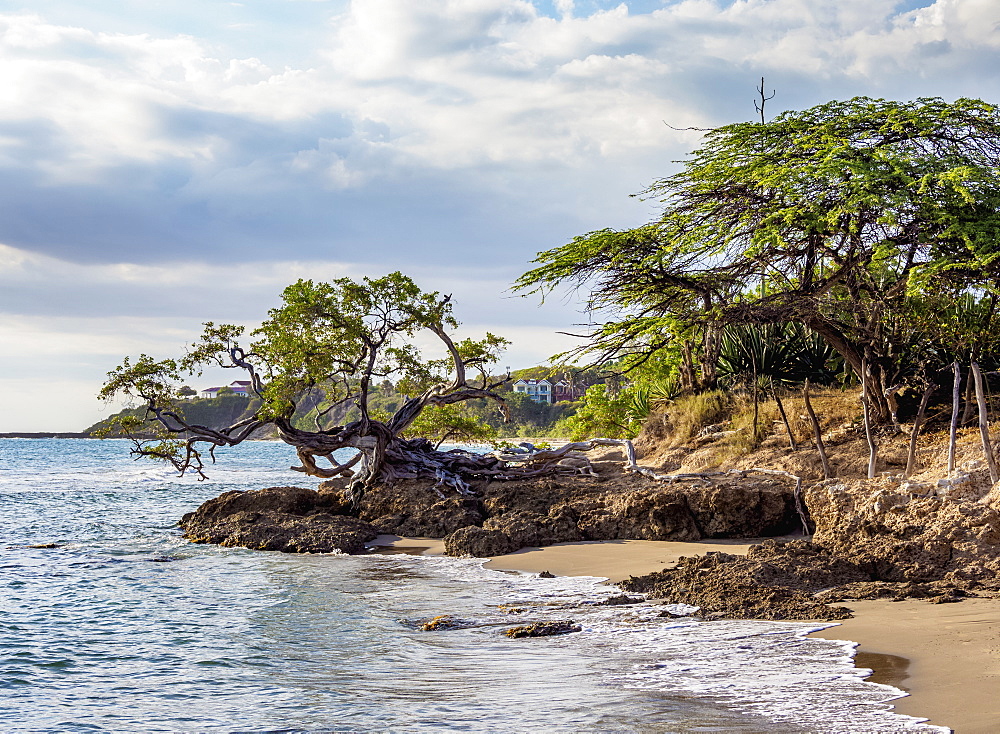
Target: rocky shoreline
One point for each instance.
(500, 516)
(873, 539)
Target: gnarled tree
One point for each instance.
(336, 339)
(840, 218)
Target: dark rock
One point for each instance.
(288, 519)
(479, 543)
(445, 622)
(528, 529)
(654, 513)
(543, 629)
(546, 575)
(750, 507)
(285, 500)
(774, 581)
(412, 508)
(671, 615)
(620, 600)
(504, 516)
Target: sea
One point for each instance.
(111, 622)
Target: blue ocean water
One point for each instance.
(126, 627)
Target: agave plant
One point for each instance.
(784, 353)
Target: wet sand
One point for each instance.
(614, 559)
(946, 656)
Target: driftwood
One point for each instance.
(817, 434)
(984, 425)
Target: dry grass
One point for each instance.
(669, 440)
(690, 413)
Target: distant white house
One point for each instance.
(239, 387)
(538, 390)
(544, 391)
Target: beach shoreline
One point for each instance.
(946, 657)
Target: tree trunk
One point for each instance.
(984, 425)
(953, 432)
(866, 409)
(784, 418)
(817, 434)
(866, 367)
(911, 455)
(711, 346)
(687, 367)
(968, 399)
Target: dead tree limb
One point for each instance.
(817, 434)
(865, 397)
(911, 455)
(784, 417)
(984, 425)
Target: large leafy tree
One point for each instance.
(841, 218)
(338, 339)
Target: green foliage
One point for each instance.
(332, 333)
(600, 414)
(787, 353)
(840, 218)
(451, 424)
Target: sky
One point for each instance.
(164, 163)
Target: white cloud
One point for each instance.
(170, 178)
(34, 404)
(64, 325)
(449, 84)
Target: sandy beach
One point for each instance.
(950, 657)
(946, 656)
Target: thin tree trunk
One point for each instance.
(967, 410)
(911, 456)
(756, 400)
(854, 355)
(984, 425)
(872, 450)
(816, 431)
(953, 433)
(687, 367)
(784, 417)
(711, 346)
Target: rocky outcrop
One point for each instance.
(899, 537)
(521, 514)
(502, 516)
(413, 508)
(479, 543)
(773, 581)
(874, 539)
(287, 519)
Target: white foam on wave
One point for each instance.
(771, 670)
